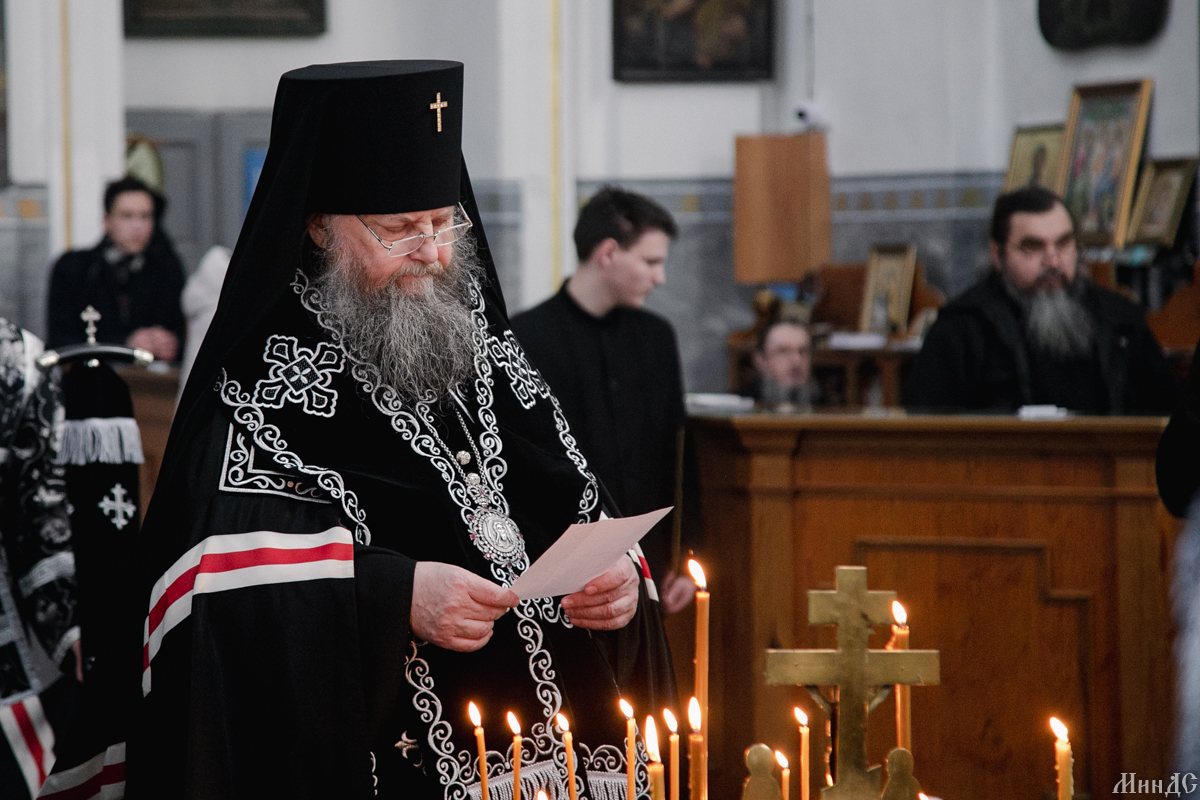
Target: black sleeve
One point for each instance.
(940, 377)
(383, 590)
(1178, 465)
(1156, 390)
(63, 326)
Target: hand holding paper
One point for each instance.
(583, 553)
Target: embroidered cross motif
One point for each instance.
(118, 510)
(299, 375)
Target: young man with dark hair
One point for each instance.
(132, 277)
(615, 368)
(1036, 331)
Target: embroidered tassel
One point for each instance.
(607, 785)
(543, 776)
(113, 440)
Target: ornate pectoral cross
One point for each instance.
(855, 670)
(91, 316)
(437, 105)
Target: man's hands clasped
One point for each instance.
(457, 609)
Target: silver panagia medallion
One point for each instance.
(497, 537)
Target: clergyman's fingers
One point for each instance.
(486, 593)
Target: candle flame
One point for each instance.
(473, 713)
(1060, 730)
(541, 794)
(697, 574)
(562, 723)
(782, 759)
(651, 737)
(694, 715)
(801, 717)
(512, 723)
(669, 718)
(923, 796)
(626, 709)
(898, 612)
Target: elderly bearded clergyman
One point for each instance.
(336, 522)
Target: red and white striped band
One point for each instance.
(235, 561)
(30, 738)
(102, 776)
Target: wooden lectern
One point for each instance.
(781, 222)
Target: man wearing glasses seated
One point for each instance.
(1037, 331)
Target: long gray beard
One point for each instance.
(421, 343)
(1057, 322)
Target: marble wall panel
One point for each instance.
(24, 256)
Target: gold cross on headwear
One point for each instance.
(437, 106)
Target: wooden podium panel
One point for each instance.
(1033, 555)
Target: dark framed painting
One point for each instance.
(247, 18)
(693, 40)
(1102, 146)
(1162, 195)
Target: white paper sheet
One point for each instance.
(583, 553)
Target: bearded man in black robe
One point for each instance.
(362, 463)
(1036, 331)
(615, 368)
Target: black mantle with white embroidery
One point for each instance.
(280, 544)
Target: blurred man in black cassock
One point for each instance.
(615, 368)
(1037, 331)
(362, 463)
(132, 277)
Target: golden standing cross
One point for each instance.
(437, 105)
(853, 668)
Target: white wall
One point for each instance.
(1040, 78)
(241, 74)
(97, 124)
(914, 86)
(938, 85)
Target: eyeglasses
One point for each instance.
(411, 244)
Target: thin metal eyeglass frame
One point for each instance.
(419, 239)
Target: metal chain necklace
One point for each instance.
(491, 530)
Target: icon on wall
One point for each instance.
(701, 40)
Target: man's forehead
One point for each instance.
(786, 333)
(1052, 224)
(133, 197)
(418, 216)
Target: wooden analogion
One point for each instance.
(1032, 555)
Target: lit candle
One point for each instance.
(516, 756)
(673, 743)
(1064, 761)
(701, 689)
(802, 720)
(697, 757)
(630, 750)
(787, 773)
(899, 641)
(657, 790)
(541, 795)
(477, 721)
(569, 751)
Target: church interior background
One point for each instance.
(919, 101)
